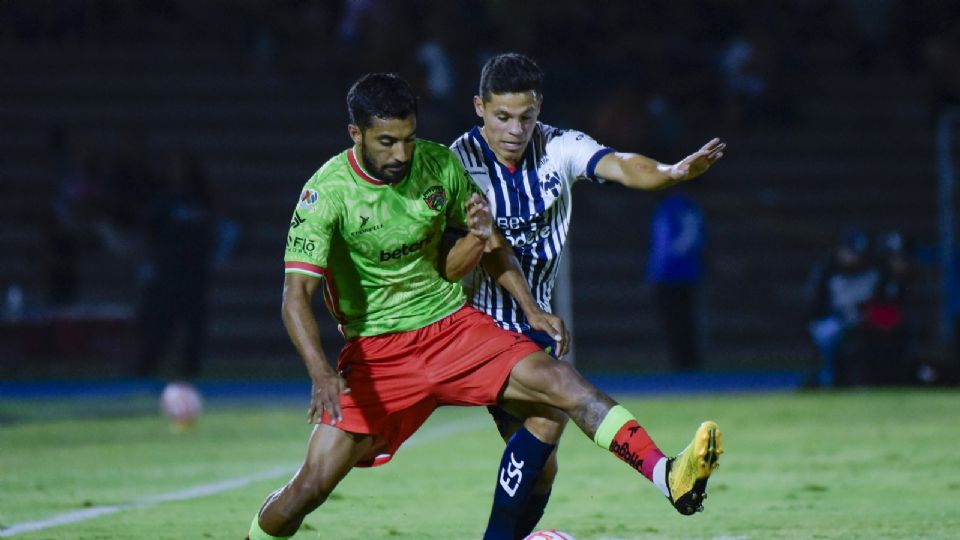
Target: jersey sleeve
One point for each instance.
(461, 187)
(314, 221)
(581, 153)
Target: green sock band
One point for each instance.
(616, 417)
(256, 533)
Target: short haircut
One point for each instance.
(384, 95)
(509, 73)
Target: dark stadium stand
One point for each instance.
(775, 203)
(860, 155)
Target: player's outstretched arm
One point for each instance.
(301, 325)
(465, 254)
(502, 264)
(640, 172)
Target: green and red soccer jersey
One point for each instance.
(376, 244)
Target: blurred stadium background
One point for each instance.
(831, 110)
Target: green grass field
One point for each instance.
(877, 464)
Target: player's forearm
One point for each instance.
(516, 284)
(463, 257)
(636, 171)
(641, 172)
(502, 264)
(304, 332)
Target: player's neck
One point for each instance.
(510, 164)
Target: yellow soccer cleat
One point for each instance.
(688, 472)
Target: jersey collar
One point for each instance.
(357, 168)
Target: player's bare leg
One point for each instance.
(540, 379)
(331, 454)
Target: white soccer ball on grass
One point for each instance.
(182, 403)
(552, 534)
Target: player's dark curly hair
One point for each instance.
(384, 95)
(510, 73)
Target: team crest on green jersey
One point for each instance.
(435, 197)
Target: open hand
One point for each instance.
(554, 327)
(479, 219)
(698, 162)
(325, 396)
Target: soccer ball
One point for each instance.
(552, 534)
(181, 403)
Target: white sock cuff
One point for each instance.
(660, 477)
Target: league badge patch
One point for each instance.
(308, 199)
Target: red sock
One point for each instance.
(632, 445)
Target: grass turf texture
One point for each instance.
(879, 464)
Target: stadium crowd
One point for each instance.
(154, 212)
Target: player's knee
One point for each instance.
(563, 383)
(547, 425)
(546, 381)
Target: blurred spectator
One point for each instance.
(180, 232)
(675, 268)
(435, 83)
(758, 66)
(349, 30)
(381, 36)
(843, 286)
(887, 314)
(126, 188)
(744, 83)
(130, 182)
(438, 73)
(68, 221)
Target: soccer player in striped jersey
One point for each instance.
(365, 234)
(527, 169)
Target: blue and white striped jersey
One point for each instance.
(531, 206)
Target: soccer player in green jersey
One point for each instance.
(366, 232)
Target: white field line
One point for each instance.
(421, 438)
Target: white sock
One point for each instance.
(660, 477)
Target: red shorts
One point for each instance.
(397, 380)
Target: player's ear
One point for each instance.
(355, 133)
(538, 101)
(478, 105)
